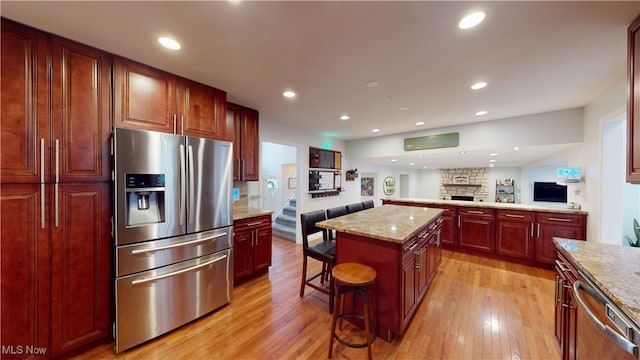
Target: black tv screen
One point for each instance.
(549, 191)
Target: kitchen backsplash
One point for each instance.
(477, 178)
(249, 194)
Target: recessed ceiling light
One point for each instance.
(169, 43)
(375, 130)
(289, 94)
(419, 155)
(493, 154)
(420, 123)
(390, 98)
(344, 117)
(481, 112)
(471, 20)
(425, 167)
(516, 148)
(478, 85)
(492, 160)
(492, 165)
(461, 152)
(372, 84)
(393, 160)
(411, 164)
(404, 108)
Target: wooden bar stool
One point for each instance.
(359, 279)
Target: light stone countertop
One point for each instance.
(615, 269)
(392, 223)
(240, 213)
(490, 205)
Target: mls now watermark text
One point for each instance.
(23, 349)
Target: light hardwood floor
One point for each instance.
(476, 308)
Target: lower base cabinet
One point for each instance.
(251, 246)
(565, 307)
(56, 267)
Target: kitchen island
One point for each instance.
(614, 271)
(403, 245)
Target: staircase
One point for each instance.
(284, 225)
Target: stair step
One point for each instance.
(286, 220)
(285, 232)
(289, 210)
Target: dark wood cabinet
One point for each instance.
(633, 103)
(25, 264)
(81, 267)
(24, 111)
(514, 233)
(56, 264)
(449, 227)
(409, 282)
(565, 311)
(251, 246)
(144, 98)
(550, 225)
(476, 228)
(81, 98)
(246, 143)
(202, 110)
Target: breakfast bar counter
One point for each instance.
(403, 245)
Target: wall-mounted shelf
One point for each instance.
(324, 193)
(505, 191)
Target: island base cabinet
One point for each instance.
(565, 307)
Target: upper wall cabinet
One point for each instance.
(246, 143)
(25, 105)
(146, 98)
(633, 104)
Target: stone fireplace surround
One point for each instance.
(478, 183)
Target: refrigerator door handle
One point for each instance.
(182, 186)
(191, 183)
(155, 278)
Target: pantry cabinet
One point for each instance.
(633, 103)
(146, 98)
(246, 143)
(55, 191)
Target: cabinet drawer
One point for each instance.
(253, 222)
(410, 247)
(485, 213)
(561, 219)
(516, 215)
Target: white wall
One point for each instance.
(428, 184)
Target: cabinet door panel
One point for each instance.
(24, 110)
(262, 249)
(242, 254)
(545, 248)
(202, 110)
(250, 145)
(633, 103)
(514, 238)
(409, 296)
(476, 233)
(81, 267)
(143, 97)
(81, 109)
(24, 264)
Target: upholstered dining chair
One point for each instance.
(334, 213)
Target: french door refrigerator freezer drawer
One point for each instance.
(154, 302)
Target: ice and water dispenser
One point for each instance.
(144, 199)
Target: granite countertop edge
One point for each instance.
(490, 205)
(344, 223)
(249, 212)
(615, 269)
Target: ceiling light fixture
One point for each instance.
(478, 85)
(404, 108)
(375, 130)
(461, 152)
(393, 160)
(420, 123)
(372, 84)
(493, 154)
(481, 112)
(411, 164)
(344, 117)
(471, 20)
(492, 160)
(169, 43)
(516, 148)
(289, 94)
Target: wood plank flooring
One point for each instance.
(476, 308)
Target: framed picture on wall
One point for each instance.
(366, 186)
(293, 182)
(461, 179)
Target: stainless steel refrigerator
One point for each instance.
(173, 231)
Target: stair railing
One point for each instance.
(281, 207)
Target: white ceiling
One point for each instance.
(536, 56)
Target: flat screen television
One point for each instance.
(550, 192)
